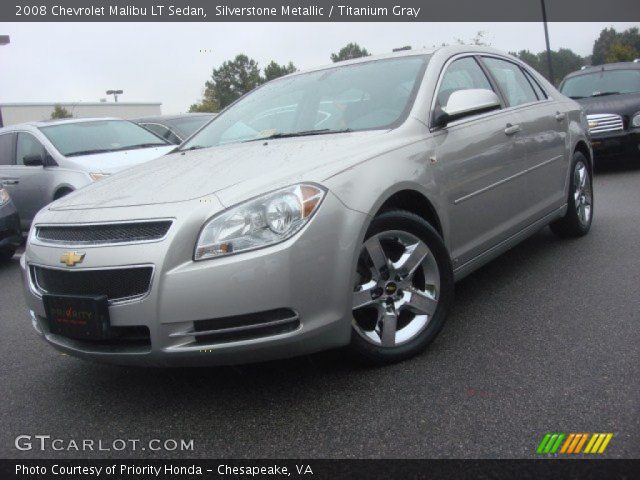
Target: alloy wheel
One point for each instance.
(397, 288)
(582, 194)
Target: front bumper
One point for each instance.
(10, 234)
(620, 145)
(310, 274)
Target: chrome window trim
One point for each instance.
(38, 292)
(163, 126)
(481, 116)
(34, 239)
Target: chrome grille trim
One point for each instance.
(104, 233)
(604, 122)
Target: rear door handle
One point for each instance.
(560, 116)
(511, 129)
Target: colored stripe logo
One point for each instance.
(573, 443)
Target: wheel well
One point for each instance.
(61, 192)
(583, 149)
(414, 202)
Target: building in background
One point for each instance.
(12, 113)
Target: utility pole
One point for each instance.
(546, 39)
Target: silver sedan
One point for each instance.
(328, 208)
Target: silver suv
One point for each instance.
(327, 208)
(43, 161)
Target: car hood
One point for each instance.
(232, 172)
(112, 162)
(624, 104)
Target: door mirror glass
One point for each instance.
(464, 103)
(33, 160)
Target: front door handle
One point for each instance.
(560, 116)
(511, 129)
(9, 181)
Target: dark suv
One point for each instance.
(610, 96)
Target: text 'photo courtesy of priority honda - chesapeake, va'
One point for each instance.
(383, 239)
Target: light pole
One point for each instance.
(4, 40)
(115, 94)
(546, 39)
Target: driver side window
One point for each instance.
(28, 145)
(462, 74)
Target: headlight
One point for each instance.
(98, 176)
(263, 221)
(635, 121)
(4, 197)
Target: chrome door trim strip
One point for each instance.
(505, 180)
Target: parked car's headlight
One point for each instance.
(257, 223)
(4, 197)
(635, 121)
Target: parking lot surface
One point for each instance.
(544, 339)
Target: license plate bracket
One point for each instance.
(80, 317)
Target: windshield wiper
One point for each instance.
(303, 133)
(140, 145)
(88, 152)
(603, 94)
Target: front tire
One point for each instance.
(577, 221)
(404, 288)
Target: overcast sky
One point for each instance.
(169, 62)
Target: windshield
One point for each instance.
(84, 138)
(607, 82)
(188, 125)
(363, 96)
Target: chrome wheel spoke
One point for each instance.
(411, 260)
(389, 325)
(421, 302)
(378, 257)
(364, 296)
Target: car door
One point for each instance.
(543, 132)
(29, 194)
(478, 160)
(7, 162)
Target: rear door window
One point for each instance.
(514, 85)
(7, 142)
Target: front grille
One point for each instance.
(245, 327)
(103, 233)
(117, 284)
(604, 123)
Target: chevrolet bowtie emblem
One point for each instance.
(72, 258)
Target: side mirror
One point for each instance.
(33, 160)
(464, 103)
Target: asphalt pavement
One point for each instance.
(544, 339)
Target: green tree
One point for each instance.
(563, 62)
(613, 46)
(60, 112)
(275, 70)
(479, 39)
(229, 82)
(349, 51)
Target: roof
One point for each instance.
(159, 118)
(73, 104)
(447, 49)
(606, 67)
(47, 123)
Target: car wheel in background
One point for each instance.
(577, 221)
(404, 288)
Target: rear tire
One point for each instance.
(577, 221)
(404, 288)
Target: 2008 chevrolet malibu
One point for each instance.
(327, 208)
